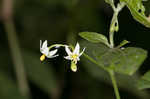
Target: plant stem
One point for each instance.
(112, 75)
(114, 26)
(14, 47)
(17, 59)
(93, 61)
(56, 45)
(111, 37)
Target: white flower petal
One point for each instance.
(68, 57)
(77, 49)
(52, 56)
(51, 53)
(68, 50)
(44, 44)
(45, 51)
(40, 44)
(78, 59)
(41, 49)
(82, 52)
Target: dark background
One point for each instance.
(60, 21)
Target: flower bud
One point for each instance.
(73, 67)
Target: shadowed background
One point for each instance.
(60, 21)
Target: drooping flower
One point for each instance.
(45, 51)
(74, 55)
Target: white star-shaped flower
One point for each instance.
(74, 55)
(45, 51)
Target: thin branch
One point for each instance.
(7, 16)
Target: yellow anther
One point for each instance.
(74, 56)
(42, 58)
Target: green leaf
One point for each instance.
(94, 37)
(41, 74)
(144, 82)
(124, 81)
(133, 58)
(125, 61)
(138, 11)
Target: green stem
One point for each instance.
(112, 75)
(93, 61)
(124, 42)
(7, 16)
(111, 37)
(114, 23)
(56, 45)
(113, 27)
(17, 58)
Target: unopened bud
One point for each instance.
(73, 67)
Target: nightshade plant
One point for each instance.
(73, 54)
(113, 58)
(45, 51)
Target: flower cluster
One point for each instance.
(73, 53)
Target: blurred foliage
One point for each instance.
(9, 88)
(144, 82)
(40, 74)
(58, 21)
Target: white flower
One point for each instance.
(45, 51)
(74, 56)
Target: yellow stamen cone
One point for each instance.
(42, 58)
